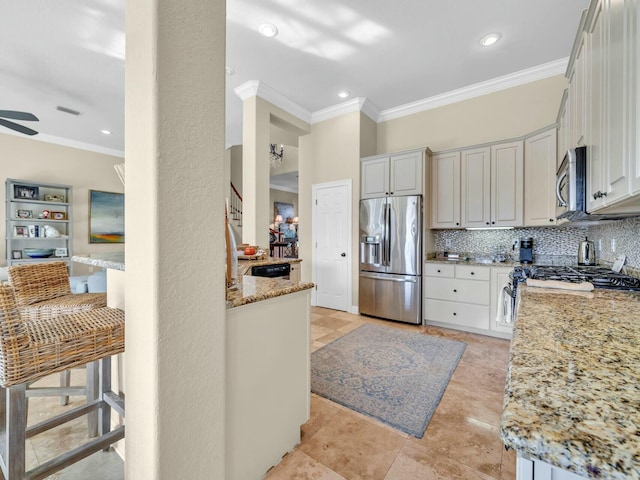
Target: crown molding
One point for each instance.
(256, 88)
(264, 91)
(65, 142)
(539, 72)
(283, 189)
(359, 104)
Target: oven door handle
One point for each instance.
(561, 201)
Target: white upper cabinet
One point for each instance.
(611, 67)
(507, 170)
(476, 187)
(539, 179)
(392, 175)
(563, 129)
(374, 177)
(445, 190)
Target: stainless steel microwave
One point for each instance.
(571, 186)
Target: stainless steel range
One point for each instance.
(600, 277)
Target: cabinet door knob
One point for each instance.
(493, 223)
(438, 271)
(343, 254)
(551, 219)
(454, 314)
(455, 291)
(473, 273)
(457, 223)
(487, 223)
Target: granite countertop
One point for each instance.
(255, 289)
(112, 260)
(244, 266)
(572, 397)
(508, 263)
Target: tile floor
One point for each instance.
(461, 442)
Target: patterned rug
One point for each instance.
(395, 376)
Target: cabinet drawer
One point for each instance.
(439, 270)
(456, 313)
(470, 272)
(452, 289)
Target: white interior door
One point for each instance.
(332, 244)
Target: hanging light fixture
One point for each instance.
(275, 157)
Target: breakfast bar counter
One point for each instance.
(255, 289)
(572, 397)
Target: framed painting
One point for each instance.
(284, 209)
(106, 217)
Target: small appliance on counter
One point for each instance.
(526, 250)
(586, 253)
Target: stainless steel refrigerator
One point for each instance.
(391, 258)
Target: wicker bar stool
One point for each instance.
(33, 349)
(42, 291)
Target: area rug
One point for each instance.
(393, 375)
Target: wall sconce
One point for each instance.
(275, 157)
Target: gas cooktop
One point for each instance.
(600, 277)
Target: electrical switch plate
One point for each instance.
(447, 243)
(600, 245)
(617, 265)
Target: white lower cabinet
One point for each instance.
(527, 469)
(499, 278)
(462, 297)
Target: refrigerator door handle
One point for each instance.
(388, 278)
(388, 235)
(385, 240)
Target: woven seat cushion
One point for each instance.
(31, 350)
(37, 282)
(64, 305)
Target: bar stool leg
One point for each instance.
(105, 386)
(16, 427)
(92, 394)
(65, 381)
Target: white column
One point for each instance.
(175, 310)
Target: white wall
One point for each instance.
(33, 160)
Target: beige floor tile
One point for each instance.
(351, 326)
(316, 345)
(415, 462)
(299, 466)
(354, 448)
(322, 310)
(466, 440)
(508, 467)
(350, 317)
(322, 411)
(330, 323)
(491, 377)
(467, 401)
(330, 337)
(317, 331)
(445, 332)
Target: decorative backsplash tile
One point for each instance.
(626, 234)
(546, 241)
(549, 242)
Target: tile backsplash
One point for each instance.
(546, 241)
(625, 234)
(558, 241)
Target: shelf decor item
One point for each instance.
(24, 191)
(16, 254)
(54, 198)
(58, 215)
(24, 213)
(20, 231)
(61, 252)
(106, 217)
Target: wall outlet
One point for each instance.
(613, 245)
(447, 243)
(90, 269)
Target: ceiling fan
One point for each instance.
(13, 115)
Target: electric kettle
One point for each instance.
(586, 253)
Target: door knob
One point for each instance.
(343, 254)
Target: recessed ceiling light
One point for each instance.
(490, 39)
(105, 132)
(230, 71)
(268, 30)
(343, 93)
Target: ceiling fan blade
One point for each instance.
(17, 127)
(18, 115)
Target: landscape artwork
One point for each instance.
(106, 217)
(284, 209)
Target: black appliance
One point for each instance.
(273, 270)
(526, 250)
